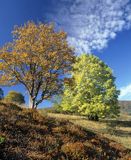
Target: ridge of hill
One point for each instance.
(125, 106)
(27, 135)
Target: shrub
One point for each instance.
(2, 139)
(76, 150)
(16, 97)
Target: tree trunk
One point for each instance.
(32, 103)
(93, 117)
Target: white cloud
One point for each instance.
(90, 24)
(125, 92)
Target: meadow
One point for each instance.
(116, 129)
(26, 134)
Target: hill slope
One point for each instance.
(29, 136)
(125, 106)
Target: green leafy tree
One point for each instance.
(13, 96)
(93, 92)
(1, 94)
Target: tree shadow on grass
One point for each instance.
(122, 133)
(113, 127)
(119, 123)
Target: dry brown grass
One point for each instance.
(30, 136)
(118, 130)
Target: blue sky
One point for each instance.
(101, 27)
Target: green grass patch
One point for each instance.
(2, 139)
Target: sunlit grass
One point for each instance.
(29, 135)
(118, 130)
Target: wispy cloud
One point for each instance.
(90, 24)
(125, 92)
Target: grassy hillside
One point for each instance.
(26, 135)
(118, 130)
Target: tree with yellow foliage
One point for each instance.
(38, 57)
(93, 92)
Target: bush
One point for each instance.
(16, 97)
(76, 150)
(2, 139)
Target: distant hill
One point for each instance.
(125, 106)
